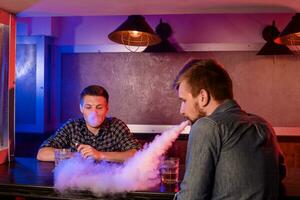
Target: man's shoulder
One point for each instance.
(209, 121)
(257, 118)
(239, 116)
(204, 124)
(116, 123)
(115, 120)
(74, 122)
(205, 130)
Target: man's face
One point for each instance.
(94, 110)
(189, 105)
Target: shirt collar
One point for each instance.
(228, 104)
(105, 124)
(103, 127)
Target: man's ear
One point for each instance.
(203, 98)
(81, 108)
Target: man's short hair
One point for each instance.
(206, 74)
(94, 90)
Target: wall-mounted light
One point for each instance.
(135, 31)
(271, 48)
(291, 33)
(164, 30)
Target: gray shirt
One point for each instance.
(232, 155)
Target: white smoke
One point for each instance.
(137, 173)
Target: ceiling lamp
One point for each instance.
(291, 34)
(134, 32)
(271, 48)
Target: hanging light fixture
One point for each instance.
(134, 32)
(269, 33)
(291, 33)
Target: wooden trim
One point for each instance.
(149, 129)
(186, 47)
(287, 131)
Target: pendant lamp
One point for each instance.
(135, 31)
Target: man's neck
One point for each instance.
(93, 129)
(212, 106)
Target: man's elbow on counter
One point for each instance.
(40, 156)
(44, 154)
(131, 153)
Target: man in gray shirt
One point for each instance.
(231, 154)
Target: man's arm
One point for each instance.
(118, 156)
(88, 151)
(203, 150)
(57, 141)
(282, 174)
(45, 154)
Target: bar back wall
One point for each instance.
(140, 84)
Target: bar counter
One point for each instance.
(31, 179)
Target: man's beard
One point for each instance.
(200, 113)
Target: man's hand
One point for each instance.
(88, 151)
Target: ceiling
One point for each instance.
(32, 8)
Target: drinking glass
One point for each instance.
(169, 170)
(61, 154)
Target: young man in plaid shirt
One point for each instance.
(95, 135)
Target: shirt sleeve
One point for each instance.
(202, 155)
(126, 139)
(61, 138)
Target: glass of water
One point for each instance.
(61, 154)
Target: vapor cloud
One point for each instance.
(138, 173)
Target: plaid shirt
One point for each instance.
(114, 135)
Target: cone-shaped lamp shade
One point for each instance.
(134, 32)
(291, 34)
(271, 48)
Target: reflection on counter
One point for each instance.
(169, 187)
